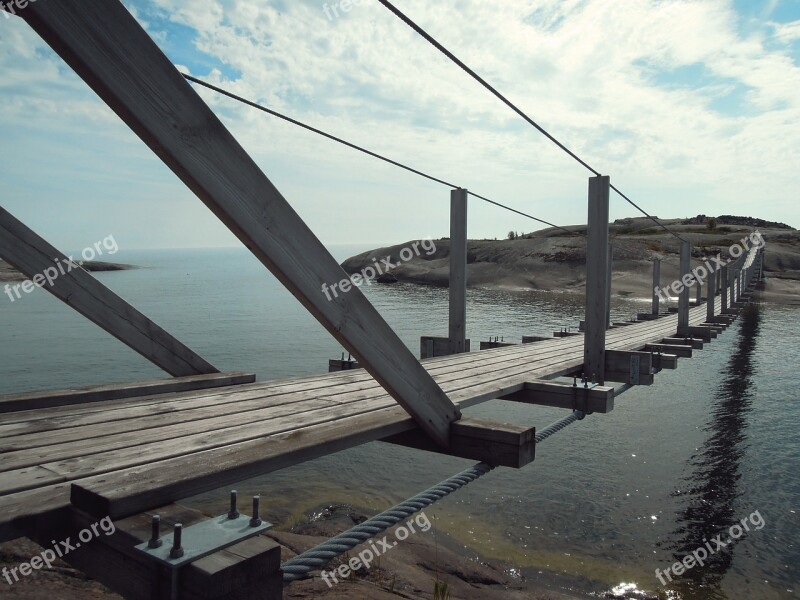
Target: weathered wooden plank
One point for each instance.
(596, 271)
(109, 50)
(40, 400)
(457, 328)
(498, 444)
(63, 278)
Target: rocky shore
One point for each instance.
(554, 260)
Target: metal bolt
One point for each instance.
(155, 541)
(234, 512)
(177, 534)
(255, 521)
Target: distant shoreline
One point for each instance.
(9, 273)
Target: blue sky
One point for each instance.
(690, 106)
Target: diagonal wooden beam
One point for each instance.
(106, 47)
(32, 255)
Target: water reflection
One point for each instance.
(711, 490)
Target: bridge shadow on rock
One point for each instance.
(711, 489)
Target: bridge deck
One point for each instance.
(139, 453)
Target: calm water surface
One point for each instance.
(606, 502)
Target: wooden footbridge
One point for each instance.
(71, 457)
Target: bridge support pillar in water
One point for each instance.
(597, 265)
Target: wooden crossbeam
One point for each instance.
(498, 444)
(21, 247)
(111, 52)
(599, 399)
(674, 349)
(85, 395)
(699, 331)
(686, 341)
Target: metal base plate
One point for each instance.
(205, 538)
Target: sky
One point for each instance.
(690, 106)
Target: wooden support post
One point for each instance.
(699, 291)
(596, 272)
(656, 285)
(683, 297)
(712, 286)
(109, 50)
(457, 332)
(724, 279)
(608, 284)
(54, 272)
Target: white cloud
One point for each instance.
(581, 68)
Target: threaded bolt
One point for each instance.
(234, 512)
(155, 533)
(177, 534)
(255, 521)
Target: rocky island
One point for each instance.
(554, 259)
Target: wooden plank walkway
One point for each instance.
(136, 454)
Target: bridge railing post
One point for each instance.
(711, 295)
(609, 272)
(683, 297)
(656, 285)
(594, 349)
(699, 289)
(724, 288)
(457, 327)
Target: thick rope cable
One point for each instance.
(317, 557)
(361, 149)
(431, 40)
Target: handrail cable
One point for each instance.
(430, 39)
(344, 142)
